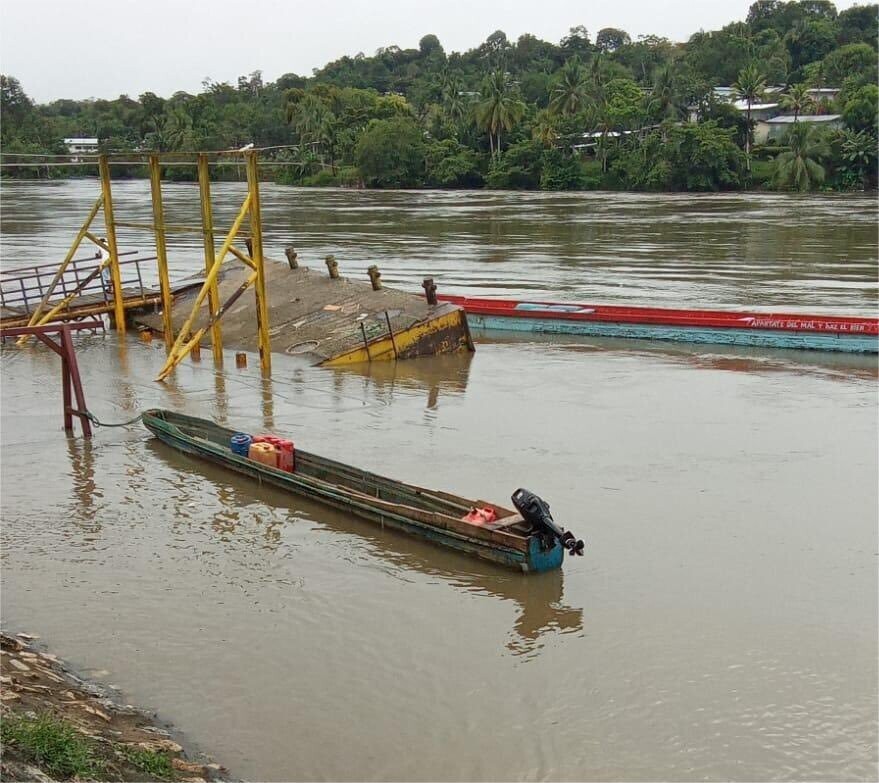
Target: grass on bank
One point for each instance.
(56, 747)
(153, 763)
(51, 744)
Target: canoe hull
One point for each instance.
(716, 336)
(534, 559)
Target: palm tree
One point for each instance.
(315, 124)
(499, 109)
(859, 154)
(454, 102)
(797, 100)
(749, 87)
(665, 101)
(171, 130)
(798, 168)
(544, 129)
(570, 95)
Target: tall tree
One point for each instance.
(499, 110)
(610, 39)
(749, 87)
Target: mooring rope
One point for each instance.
(94, 420)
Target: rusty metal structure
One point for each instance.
(71, 383)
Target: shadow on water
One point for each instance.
(538, 597)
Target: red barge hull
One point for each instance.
(850, 334)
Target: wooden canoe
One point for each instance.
(851, 334)
(434, 516)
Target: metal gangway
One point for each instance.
(79, 291)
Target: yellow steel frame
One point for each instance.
(186, 339)
(178, 347)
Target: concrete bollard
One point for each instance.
(241, 360)
(429, 290)
(292, 258)
(332, 267)
(195, 353)
(374, 277)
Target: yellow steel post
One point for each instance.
(61, 269)
(207, 223)
(161, 250)
(118, 305)
(262, 311)
(176, 355)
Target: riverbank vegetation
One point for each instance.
(602, 112)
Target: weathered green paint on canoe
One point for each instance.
(431, 515)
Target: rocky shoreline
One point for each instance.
(56, 726)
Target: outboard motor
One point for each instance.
(535, 511)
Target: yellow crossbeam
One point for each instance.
(177, 353)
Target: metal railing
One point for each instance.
(22, 289)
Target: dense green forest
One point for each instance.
(588, 112)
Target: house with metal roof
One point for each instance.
(777, 127)
(81, 146)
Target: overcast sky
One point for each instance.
(103, 48)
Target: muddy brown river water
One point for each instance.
(722, 625)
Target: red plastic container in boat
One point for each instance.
(286, 454)
(284, 448)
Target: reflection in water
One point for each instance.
(82, 473)
(221, 398)
(268, 404)
(538, 597)
(539, 601)
(438, 375)
(747, 359)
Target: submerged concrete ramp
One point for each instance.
(331, 321)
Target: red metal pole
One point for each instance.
(65, 386)
(73, 375)
(69, 367)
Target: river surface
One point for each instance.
(722, 625)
